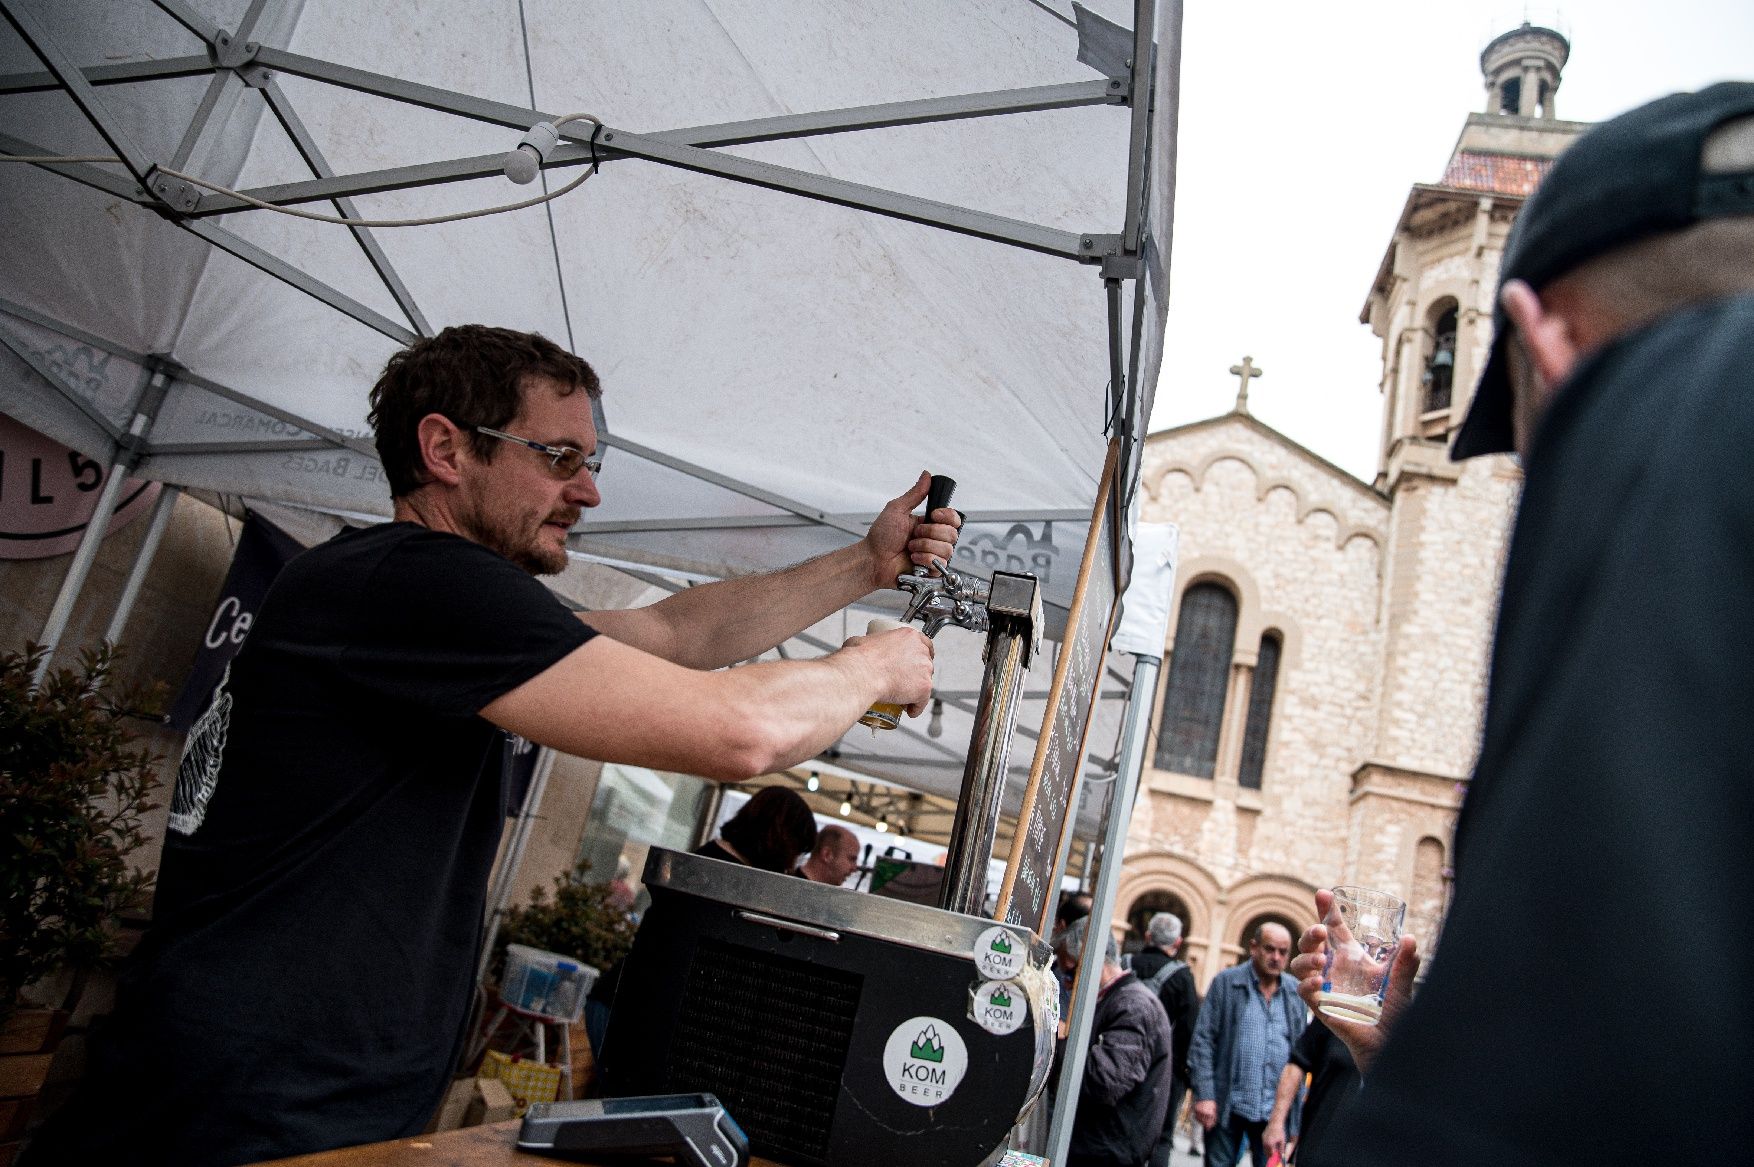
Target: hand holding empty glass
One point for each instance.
(1364, 929)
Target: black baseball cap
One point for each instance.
(1638, 175)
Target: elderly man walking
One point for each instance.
(1125, 1087)
(1251, 1019)
(1159, 970)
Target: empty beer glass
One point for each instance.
(1364, 929)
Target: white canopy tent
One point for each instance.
(828, 245)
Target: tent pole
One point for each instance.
(1126, 785)
(161, 518)
(128, 451)
(514, 857)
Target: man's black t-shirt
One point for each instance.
(1333, 1081)
(306, 980)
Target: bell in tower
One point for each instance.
(1522, 70)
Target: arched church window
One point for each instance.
(1440, 367)
(1199, 674)
(1510, 96)
(1430, 899)
(1254, 734)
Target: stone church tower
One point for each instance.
(1320, 701)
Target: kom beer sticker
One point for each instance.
(925, 1060)
(1000, 953)
(1000, 1007)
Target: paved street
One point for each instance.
(1182, 1156)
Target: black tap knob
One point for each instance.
(938, 495)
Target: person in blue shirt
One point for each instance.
(1251, 1018)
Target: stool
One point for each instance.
(531, 1029)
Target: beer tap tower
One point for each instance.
(1008, 610)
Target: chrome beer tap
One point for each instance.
(949, 597)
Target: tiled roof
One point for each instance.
(1499, 173)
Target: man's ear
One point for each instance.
(1550, 340)
(442, 448)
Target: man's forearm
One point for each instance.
(1290, 1078)
(610, 701)
(721, 623)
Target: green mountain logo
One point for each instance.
(927, 1047)
(1001, 999)
(1001, 945)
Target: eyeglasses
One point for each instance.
(564, 461)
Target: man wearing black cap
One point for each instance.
(1596, 952)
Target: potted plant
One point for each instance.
(74, 789)
(581, 921)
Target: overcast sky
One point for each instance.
(1302, 128)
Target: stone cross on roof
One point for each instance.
(1245, 371)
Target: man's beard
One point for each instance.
(528, 552)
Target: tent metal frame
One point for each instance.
(232, 55)
(232, 60)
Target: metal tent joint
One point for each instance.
(239, 56)
(172, 194)
(230, 53)
(1097, 248)
(1124, 266)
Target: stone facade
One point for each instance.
(1383, 594)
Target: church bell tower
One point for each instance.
(1431, 302)
(1431, 305)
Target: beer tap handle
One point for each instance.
(938, 494)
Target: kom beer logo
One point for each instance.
(925, 1060)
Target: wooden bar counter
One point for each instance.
(476, 1146)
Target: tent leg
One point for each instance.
(74, 583)
(1126, 784)
(128, 450)
(161, 518)
(501, 885)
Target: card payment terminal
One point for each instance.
(695, 1128)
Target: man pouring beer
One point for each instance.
(307, 977)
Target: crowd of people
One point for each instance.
(1264, 1077)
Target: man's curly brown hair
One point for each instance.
(473, 375)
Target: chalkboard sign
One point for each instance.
(1026, 898)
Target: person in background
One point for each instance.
(1125, 1088)
(1074, 906)
(835, 856)
(1251, 1018)
(621, 893)
(1333, 1081)
(1597, 942)
(769, 831)
(1159, 970)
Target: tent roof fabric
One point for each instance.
(827, 245)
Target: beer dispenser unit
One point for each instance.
(841, 1027)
